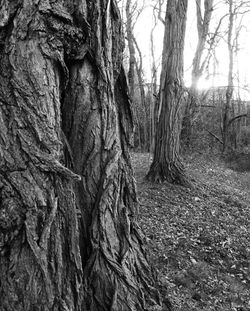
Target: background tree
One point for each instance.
(131, 47)
(154, 87)
(231, 108)
(198, 66)
(135, 75)
(229, 91)
(228, 125)
(68, 235)
(166, 163)
(226, 114)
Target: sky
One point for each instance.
(142, 34)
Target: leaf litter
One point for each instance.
(198, 239)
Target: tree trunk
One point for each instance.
(146, 117)
(203, 23)
(229, 91)
(166, 162)
(68, 234)
(153, 90)
(131, 48)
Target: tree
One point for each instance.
(68, 234)
(166, 163)
(229, 92)
(131, 48)
(203, 22)
(228, 116)
(135, 75)
(154, 74)
(198, 66)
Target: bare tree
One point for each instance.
(203, 22)
(229, 91)
(68, 235)
(135, 74)
(166, 163)
(229, 111)
(154, 76)
(142, 102)
(131, 47)
(198, 66)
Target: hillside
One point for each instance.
(199, 239)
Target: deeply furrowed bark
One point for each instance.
(166, 165)
(64, 108)
(98, 104)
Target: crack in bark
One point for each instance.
(57, 54)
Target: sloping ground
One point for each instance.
(199, 239)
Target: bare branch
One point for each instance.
(237, 117)
(215, 136)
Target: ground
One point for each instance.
(199, 239)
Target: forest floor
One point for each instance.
(199, 239)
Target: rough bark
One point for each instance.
(68, 234)
(166, 163)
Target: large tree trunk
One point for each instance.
(68, 236)
(166, 163)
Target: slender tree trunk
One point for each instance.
(203, 22)
(154, 95)
(135, 75)
(229, 91)
(68, 235)
(166, 162)
(131, 48)
(146, 117)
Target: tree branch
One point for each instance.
(237, 117)
(216, 137)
